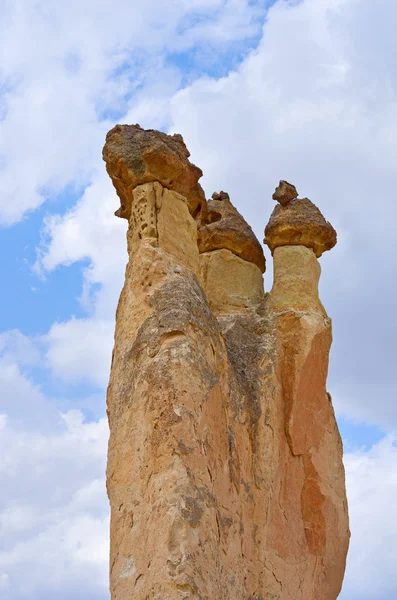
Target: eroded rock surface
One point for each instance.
(299, 223)
(225, 473)
(226, 228)
(285, 192)
(135, 156)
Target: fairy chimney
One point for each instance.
(225, 473)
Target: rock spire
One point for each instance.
(225, 473)
(298, 222)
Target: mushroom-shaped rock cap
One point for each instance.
(226, 228)
(135, 156)
(285, 192)
(299, 223)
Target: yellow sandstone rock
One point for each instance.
(225, 473)
(230, 283)
(296, 273)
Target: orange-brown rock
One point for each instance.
(225, 473)
(299, 223)
(226, 228)
(285, 192)
(135, 156)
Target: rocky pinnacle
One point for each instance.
(285, 192)
(225, 473)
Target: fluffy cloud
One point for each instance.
(71, 66)
(372, 492)
(89, 231)
(80, 349)
(54, 518)
(18, 348)
(54, 514)
(54, 511)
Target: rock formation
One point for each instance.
(299, 223)
(285, 192)
(135, 156)
(226, 228)
(225, 472)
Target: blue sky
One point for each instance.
(261, 91)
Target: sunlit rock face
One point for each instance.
(225, 473)
(135, 156)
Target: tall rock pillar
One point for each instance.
(225, 473)
(308, 516)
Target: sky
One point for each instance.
(261, 91)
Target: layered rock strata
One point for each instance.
(225, 473)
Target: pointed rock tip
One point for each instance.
(285, 192)
(224, 227)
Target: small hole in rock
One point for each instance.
(214, 216)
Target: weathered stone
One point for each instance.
(295, 279)
(135, 156)
(226, 228)
(299, 223)
(225, 473)
(230, 283)
(156, 216)
(285, 192)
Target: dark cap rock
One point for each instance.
(135, 156)
(299, 223)
(226, 228)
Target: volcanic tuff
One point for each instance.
(135, 156)
(225, 472)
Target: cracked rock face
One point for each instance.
(225, 473)
(135, 156)
(299, 223)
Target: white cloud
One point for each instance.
(19, 348)
(80, 349)
(372, 492)
(54, 514)
(66, 65)
(90, 231)
(54, 521)
(22, 400)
